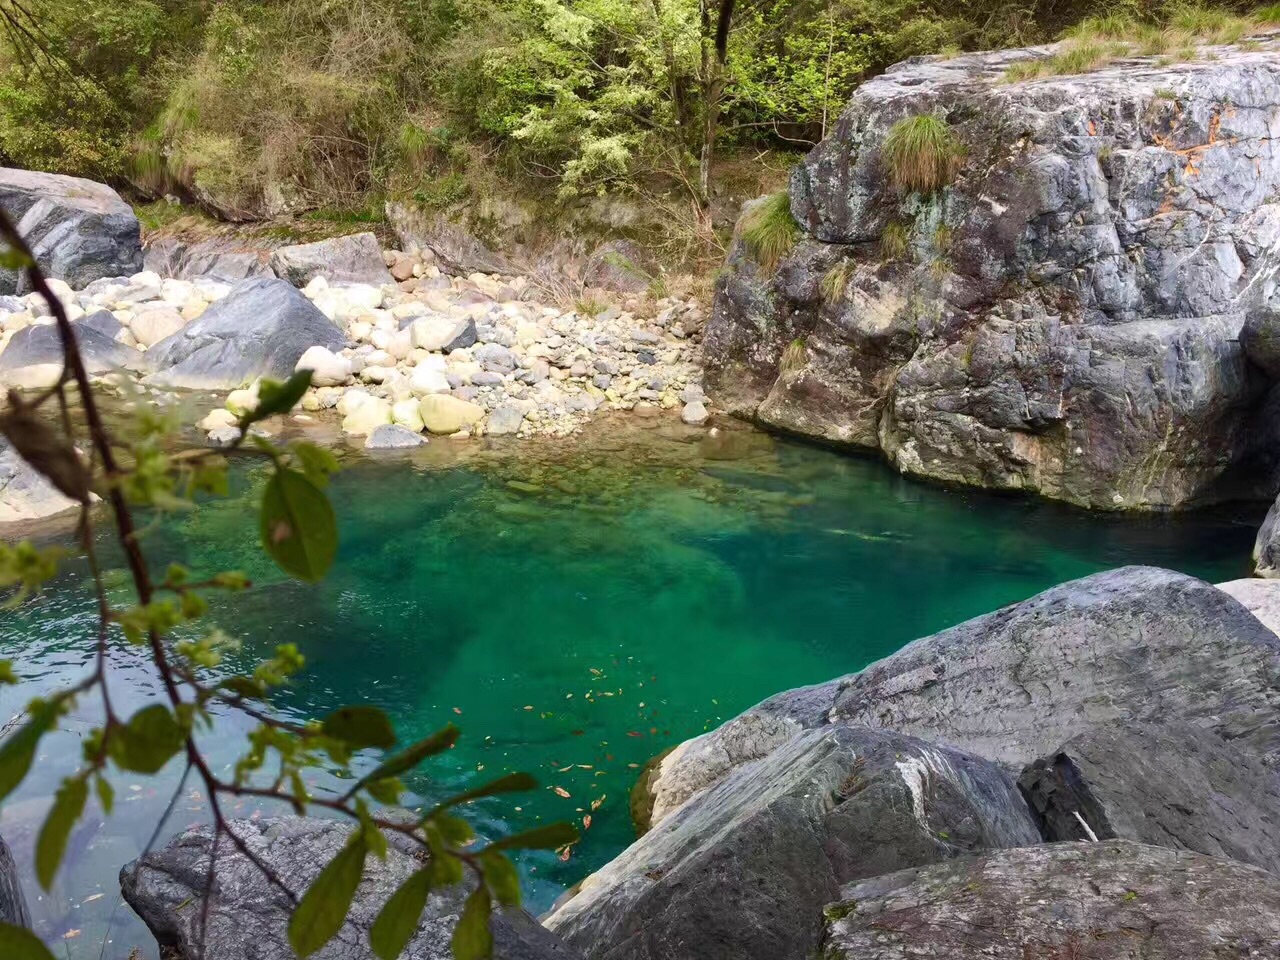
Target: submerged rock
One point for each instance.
(13, 905)
(352, 259)
(1063, 317)
(260, 329)
(1133, 644)
(78, 230)
(1113, 900)
(1171, 785)
(248, 916)
(743, 871)
(392, 436)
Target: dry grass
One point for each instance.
(1098, 41)
(836, 281)
(922, 153)
(895, 240)
(794, 357)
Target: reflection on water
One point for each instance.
(575, 611)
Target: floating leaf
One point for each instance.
(147, 742)
(549, 837)
(323, 908)
(299, 529)
(276, 397)
(68, 804)
(471, 937)
(359, 727)
(19, 944)
(398, 920)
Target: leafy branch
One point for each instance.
(299, 532)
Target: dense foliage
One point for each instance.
(258, 106)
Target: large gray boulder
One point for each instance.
(13, 905)
(743, 871)
(248, 916)
(1136, 644)
(1113, 900)
(1171, 785)
(352, 259)
(1260, 597)
(1266, 548)
(78, 230)
(1065, 317)
(228, 260)
(261, 328)
(25, 495)
(41, 344)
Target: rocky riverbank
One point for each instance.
(1060, 309)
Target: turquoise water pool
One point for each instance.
(574, 611)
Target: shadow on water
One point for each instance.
(574, 609)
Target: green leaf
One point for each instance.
(511, 783)
(360, 727)
(398, 921)
(148, 741)
(106, 793)
(7, 676)
(410, 757)
(471, 937)
(550, 837)
(276, 397)
(68, 804)
(298, 526)
(19, 944)
(501, 877)
(323, 908)
(19, 749)
(14, 259)
(316, 462)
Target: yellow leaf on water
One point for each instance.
(71, 935)
(90, 899)
(561, 791)
(586, 822)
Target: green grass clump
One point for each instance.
(895, 240)
(1025, 70)
(770, 231)
(922, 153)
(1267, 15)
(835, 281)
(1112, 26)
(794, 357)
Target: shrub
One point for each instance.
(769, 231)
(922, 153)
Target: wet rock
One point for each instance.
(77, 229)
(392, 436)
(442, 413)
(1137, 644)
(695, 413)
(1170, 785)
(504, 420)
(744, 870)
(352, 259)
(13, 905)
(262, 328)
(1106, 901)
(248, 916)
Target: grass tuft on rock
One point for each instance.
(769, 231)
(895, 239)
(922, 153)
(835, 281)
(794, 357)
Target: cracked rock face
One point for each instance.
(248, 916)
(1132, 645)
(1171, 785)
(742, 872)
(1065, 318)
(1113, 900)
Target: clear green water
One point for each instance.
(607, 605)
